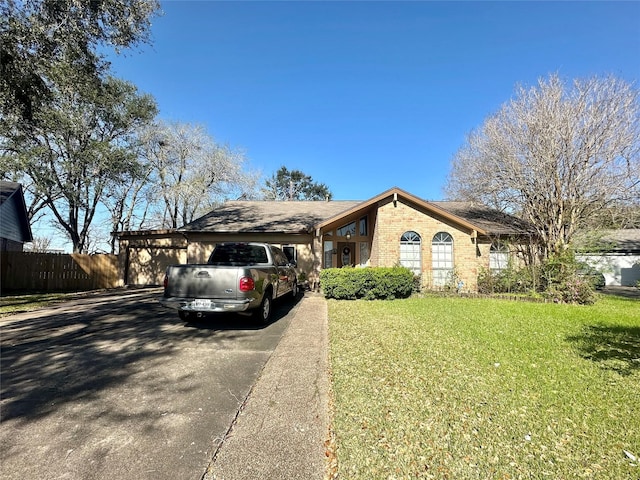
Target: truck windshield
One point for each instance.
(238, 254)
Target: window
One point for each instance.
(442, 255)
(238, 254)
(328, 254)
(498, 257)
(410, 252)
(363, 227)
(290, 252)
(350, 228)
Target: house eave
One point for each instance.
(245, 232)
(395, 193)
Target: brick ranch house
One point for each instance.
(434, 239)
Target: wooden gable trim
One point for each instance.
(395, 193)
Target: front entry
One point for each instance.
(346, 254)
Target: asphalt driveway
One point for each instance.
(115, 386)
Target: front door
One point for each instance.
(346, 254)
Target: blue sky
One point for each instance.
(364, 96)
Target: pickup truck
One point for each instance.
(239, 277)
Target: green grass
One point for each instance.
(25, 303)
(452, 388)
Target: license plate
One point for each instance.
(201, 303)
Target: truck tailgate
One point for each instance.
(202, 281)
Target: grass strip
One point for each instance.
(10, 304)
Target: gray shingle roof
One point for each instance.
(623, 240)
(303, 216)
(493, 221)
(267, 216)
(7, 189)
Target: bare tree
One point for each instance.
(556, 154)
(130, 200)
(191, 172)
(39, 245)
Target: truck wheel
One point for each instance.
(263, 313)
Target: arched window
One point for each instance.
(442, 255)
(410, 256)
(498, 257)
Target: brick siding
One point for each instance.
(395, 218)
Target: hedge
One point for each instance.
(368, 283)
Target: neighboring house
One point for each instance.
(617, 256)
(443, 242)
(14, 221)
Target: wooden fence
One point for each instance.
(25, 271)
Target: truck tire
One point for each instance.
(263, 313)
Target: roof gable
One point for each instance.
(396, 193)
(483, 220)
(305, 216)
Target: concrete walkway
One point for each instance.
(281, 429)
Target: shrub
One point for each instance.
(453, 281)
(572, 290)
(558, 269)
(367, 283)
(509, 280)
(417, 283)
(593, 276)
(563, 280)
(560, 278)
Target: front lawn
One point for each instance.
(452, 388)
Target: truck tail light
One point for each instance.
(247, 284)
(166, 281)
